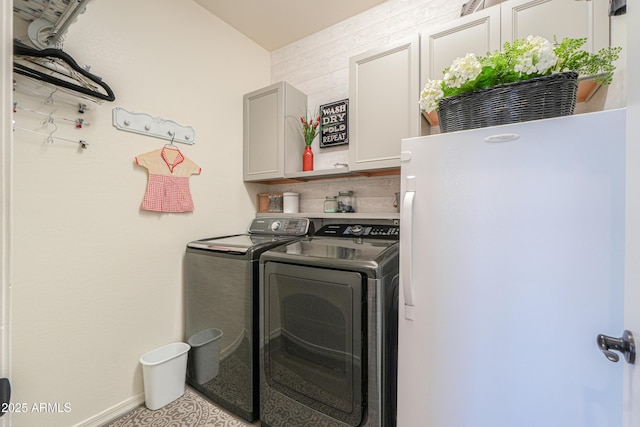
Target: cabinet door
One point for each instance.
(477, 33)
(264, 133)
(560, 18)
(383, 97)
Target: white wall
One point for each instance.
(96, 281)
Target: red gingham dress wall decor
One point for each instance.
(168, 183)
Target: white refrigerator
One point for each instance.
(511, 259)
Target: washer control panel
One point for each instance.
(375, 231)
(281, 226)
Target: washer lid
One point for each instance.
(327, 248)
(239, 244)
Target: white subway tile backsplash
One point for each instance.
(372, 194)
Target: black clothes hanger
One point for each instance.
(72, 80)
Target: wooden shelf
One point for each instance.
(380, 172)
(297, 177)
(355, 215)
(319, 174)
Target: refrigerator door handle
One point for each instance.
(625, 345)
(406, 246)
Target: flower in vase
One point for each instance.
(310, 129)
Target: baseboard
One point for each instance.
(114, 412)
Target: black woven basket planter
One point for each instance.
(534, 99)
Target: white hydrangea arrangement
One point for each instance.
(521, 60)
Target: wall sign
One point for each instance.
(334, 123)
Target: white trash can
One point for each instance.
(204, 356)
(164, 372)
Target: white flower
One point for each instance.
(462, 70)
(537, 56)
(431, 95)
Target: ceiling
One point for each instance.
(276, 23)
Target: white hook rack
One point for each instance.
(152, 126)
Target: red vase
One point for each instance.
(307, 159)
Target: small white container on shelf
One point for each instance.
(291, 202)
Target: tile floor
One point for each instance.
(190, 410)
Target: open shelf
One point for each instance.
(355, 215)
(320, 173)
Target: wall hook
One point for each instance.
(152, 126)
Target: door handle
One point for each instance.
(625, 345)
(406, 246)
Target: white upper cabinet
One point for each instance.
(559, 18)
(477, 33)
(487, 30)
(273, 142)
(384, 90)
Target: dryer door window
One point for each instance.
(314, 338)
